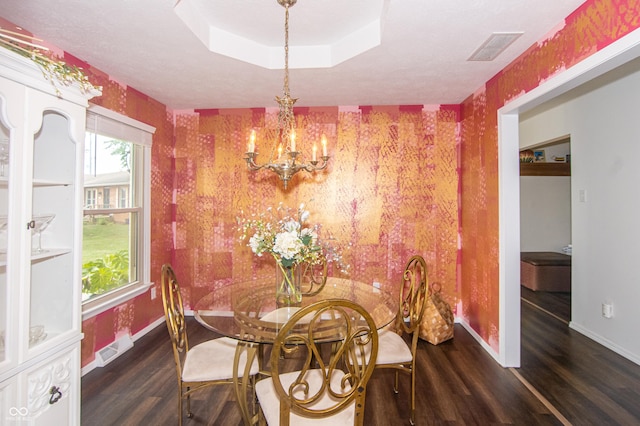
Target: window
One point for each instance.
(122, 197)
(106, 202)
(89, 198)
(116, 232)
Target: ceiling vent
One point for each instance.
(493, 46)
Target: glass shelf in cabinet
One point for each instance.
(45, 182)
(50, 253)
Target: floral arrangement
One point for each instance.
(53, 69)
(284, 233)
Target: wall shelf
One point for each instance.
(545, 169)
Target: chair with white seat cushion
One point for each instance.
(393, 350)
(206, 364)
(307, 386)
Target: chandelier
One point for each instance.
(286, 160)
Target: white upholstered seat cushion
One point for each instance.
(270, 404)
(392, 349)
(213, 360)
(280, 315)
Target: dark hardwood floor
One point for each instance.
(557, 304)
(565, 378)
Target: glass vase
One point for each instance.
(288, 291)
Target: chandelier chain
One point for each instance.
(286, 120)
(289, 160)
(286, 51)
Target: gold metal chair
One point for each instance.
(314, 277)
(332, 392)
(206, 364)
(394, 352)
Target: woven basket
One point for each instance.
(437, 321)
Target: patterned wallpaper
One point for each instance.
(402, 180)
(390, 191)
(590, 28)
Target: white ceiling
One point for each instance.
(412, 51)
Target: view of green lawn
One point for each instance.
(103, 239)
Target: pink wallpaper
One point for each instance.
(590, 28)
(402, 180)
(390, 191)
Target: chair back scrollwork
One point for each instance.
(325, 385)
(413, 296)
(314, 276)
(174, 314)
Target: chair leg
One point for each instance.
(189, 413)
(412, 419)
(179, 404)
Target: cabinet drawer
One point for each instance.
(50, 390)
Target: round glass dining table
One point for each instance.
(247, 311)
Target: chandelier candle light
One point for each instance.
(287, 163)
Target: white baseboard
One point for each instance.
(116, 348)
(477, 337)
(604, 342)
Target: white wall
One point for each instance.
(545, 213)
(604, 124)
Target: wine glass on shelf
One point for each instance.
(39, 224)
(4, 155)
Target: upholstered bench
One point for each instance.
(545, 271)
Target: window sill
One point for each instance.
(94, 307)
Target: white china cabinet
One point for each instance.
(42, 130)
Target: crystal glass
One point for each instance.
(40, 223)
(4, 155)
(36, 334)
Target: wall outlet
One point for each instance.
(153, 293)
(607, 310)
(582, 194)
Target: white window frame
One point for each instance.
(122, 198)
(106, 197)
(112, 124)
(91, 197)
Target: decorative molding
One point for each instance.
(59, 374)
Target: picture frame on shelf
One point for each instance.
(538, 156)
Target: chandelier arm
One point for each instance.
(251, 164)
(313, 167)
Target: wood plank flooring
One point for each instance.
(458, 384)
(556, 304)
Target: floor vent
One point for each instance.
(114, 350)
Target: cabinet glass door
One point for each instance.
(52, 230)
(4, 211)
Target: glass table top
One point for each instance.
(247, 310)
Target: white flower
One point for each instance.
(311, 233)
(291, 226)
(255, 242)
(282, 233)
(287, 244)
